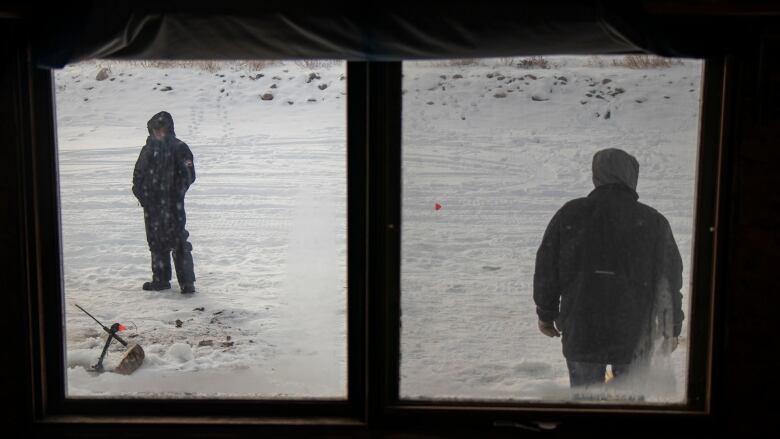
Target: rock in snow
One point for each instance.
(103, 74)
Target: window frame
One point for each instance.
(374, 223)
(50, 340)
(703, 285)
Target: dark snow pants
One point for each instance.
(591, 374)
(168, 239)
(182, 261)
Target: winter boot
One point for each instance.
(161, 272)
(156, 286)
(188, 288)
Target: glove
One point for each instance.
(549, 329)
(668, 345)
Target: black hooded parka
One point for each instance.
(163, 173)
(608, 270)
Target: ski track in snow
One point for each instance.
(267, 221)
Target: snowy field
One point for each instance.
(267, 218)
(498, 149)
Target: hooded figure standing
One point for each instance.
(608, 276)
(163, 173)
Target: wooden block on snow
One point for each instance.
(131, 361)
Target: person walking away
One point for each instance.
(608, 277)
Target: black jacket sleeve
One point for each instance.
(139, 174)
(547, 294)
(670, 313)
(185, 168)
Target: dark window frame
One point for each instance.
(704, 263)
(51, 340)
(374, 212)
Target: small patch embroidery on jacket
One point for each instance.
(188, 163)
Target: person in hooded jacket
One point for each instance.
(163, 173)
(608, 276)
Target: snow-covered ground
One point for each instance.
(267, 218)
(500, 151)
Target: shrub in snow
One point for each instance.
(534, 62)
(643, 62)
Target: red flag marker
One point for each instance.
(438, 206)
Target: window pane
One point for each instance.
(492, 151)
(265, 220)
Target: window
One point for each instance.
(377, 375)
(265, 210)
(492, 148)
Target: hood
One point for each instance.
(164, 120)
(612, 165)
